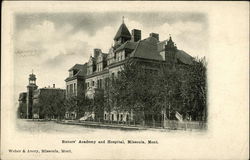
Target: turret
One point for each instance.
(30, 91)
(122, 35)
(170, 53)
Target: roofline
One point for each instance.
(75, 65)
(74, 77)
(51, 88)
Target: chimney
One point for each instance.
(136, 35)
(97, 51)
(155, 35)
(54, 86)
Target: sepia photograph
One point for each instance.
(123, 79)
(129, 80)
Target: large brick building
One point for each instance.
(45, 97)
(28, 101)
(150, 52)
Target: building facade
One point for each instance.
(22, 108)
(149, 52)
(76, 80)
(46, 99)
(75, 85)
(33, 102)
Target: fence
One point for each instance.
(185, 125)
(167, 124)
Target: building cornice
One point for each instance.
(97, 73)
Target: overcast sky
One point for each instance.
(51, 43)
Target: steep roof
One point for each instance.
(181, 55)
(81, 71)
(122, 32)
(147, 49)
(127, 45)
(76, 67)
(184, 57)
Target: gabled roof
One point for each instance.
(147, 49)
(122, 32)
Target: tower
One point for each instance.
(170, 53)
(122, 35)
(30, 91)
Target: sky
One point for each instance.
(51, 43)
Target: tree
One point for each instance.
(181, 88)
(133, 90)
(50, 106)
(22, 110)
(78, 104)
(194, 90)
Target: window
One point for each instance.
(113, 75)
(112, 117)
(127, 117)
(99, 83)
(117, 117)
(105, 116)
(71, 88)
(121, 117)
(93, 83)
(74, 88)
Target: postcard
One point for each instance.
(125, 80)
